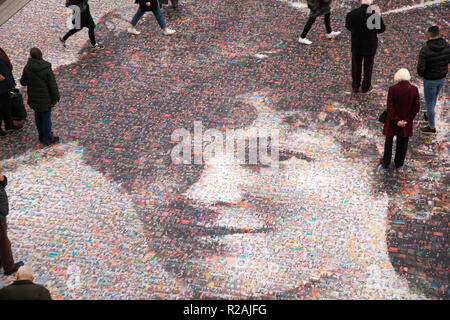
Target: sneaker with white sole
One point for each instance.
(133, 31)
(98, 47)
(333, 34)
(169, 32)
(304, 41)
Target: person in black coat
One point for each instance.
(6, 257)
(318, 8)
(24, 288)
(365, 24)
(6, 84)
(85, 21)
(145, 6)
(433, 68)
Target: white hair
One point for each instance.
(402, 75)
(369, 2)
(25, 271)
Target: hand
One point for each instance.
(148, 4)
(55, 103)
(401, 123)
(2, 78)
(2, 177)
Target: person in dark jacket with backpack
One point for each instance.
(7, 83)
(6, 257)
(433, 68)
(153, 6)
(85, 21)
(43, 94)
(24, 288)
(403, 104)
(365, 25)
(318, 8)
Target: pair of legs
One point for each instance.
(400, 151)
(5, 111)
(158, 15)
(6, 257)
(311, 21)
(431, 90)
(44, 126)
(357, 65)
(86, 21)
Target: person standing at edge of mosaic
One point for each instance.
(403, 104)
(86, 21)
(6, 257)
(153, 6)
(43, 94)
(433, 68)
(318, 8)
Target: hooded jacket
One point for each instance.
(42, 88)
(433, 59)
(4, 205)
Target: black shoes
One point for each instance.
(48, 143)
(14, 270)
(14, 127)
(356, 90)
(428, 130)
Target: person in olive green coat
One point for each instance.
(43, 94)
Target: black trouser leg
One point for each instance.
(387, 152)
(356, 70)
(92, 35)
(5, 111)
(70, 33)
(400, 151)
(308, 26)
(327, 19)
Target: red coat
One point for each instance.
(402, 104)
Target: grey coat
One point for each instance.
(319, 7)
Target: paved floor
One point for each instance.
(9, 7)
(107, 214)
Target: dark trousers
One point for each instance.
(91, 34)
(44, 125)
(311, 21)
(400, 151)
(5, 111)
(6, 258)
(357, 64)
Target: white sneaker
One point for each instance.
(169, 32)
(304, 41)
(133, 31)
(333, 34)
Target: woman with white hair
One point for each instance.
(403, 104)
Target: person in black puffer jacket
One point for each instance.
(153, 6)
(6, 257)
(318, 8)
(433, 68)
(43, 94)
(85, 21)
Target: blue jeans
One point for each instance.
(44, 125)
(431, 90)
(158, 15)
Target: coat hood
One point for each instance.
(38, 65)
(437, 45)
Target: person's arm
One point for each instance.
(348, 21)
(416, 106)
(422, 63)
(24, 78)
(390, 108)
(383, 26)
(53, 86)
(4, 207)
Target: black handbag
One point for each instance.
(382, 117)
(18, 111)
